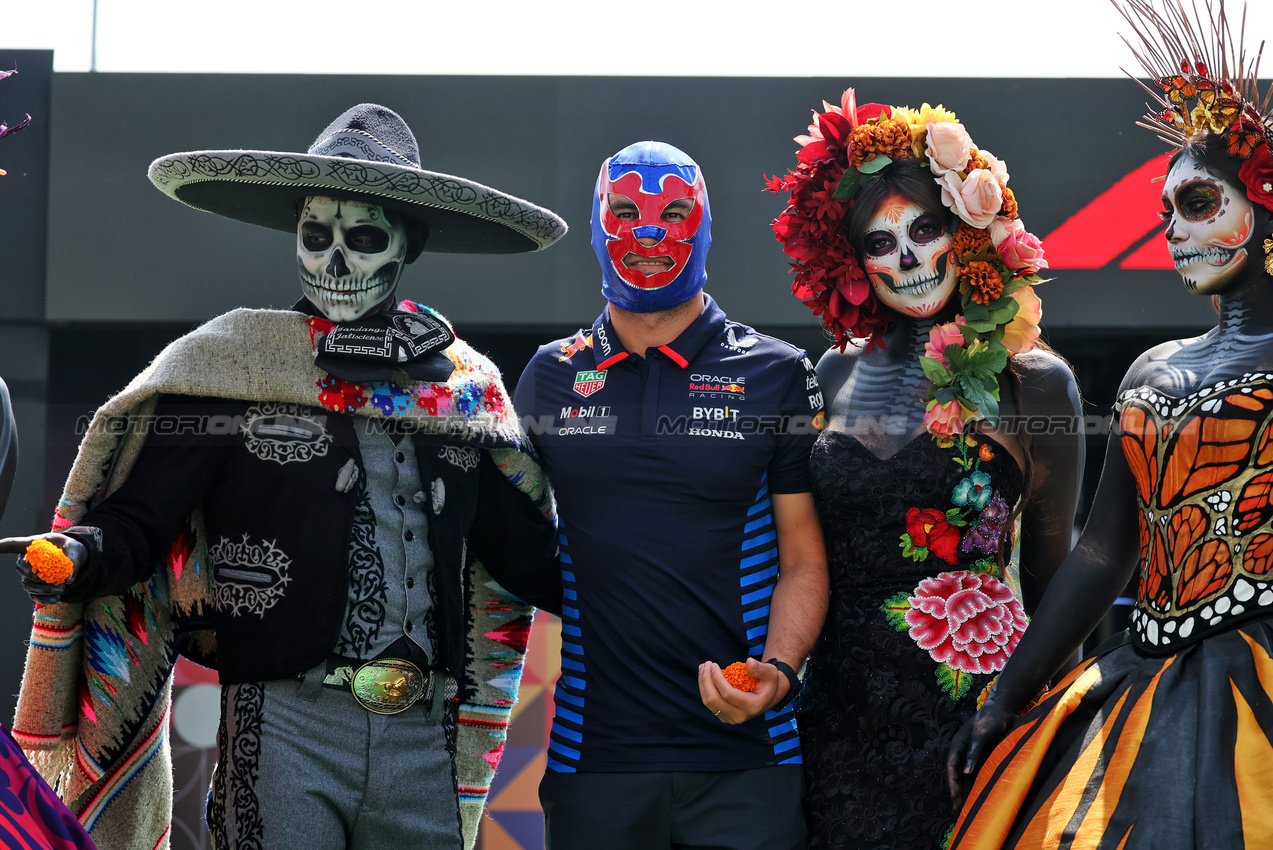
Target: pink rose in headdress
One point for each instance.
(996, 166)
(948, 146)
(1257, 175)
(1021, 333)
(976, 198)
(968, 621)
(945, 420)
(940, 336)
(1021, 250)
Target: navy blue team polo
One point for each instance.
(663, 467)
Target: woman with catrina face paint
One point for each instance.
(951, 436)
(1162, 739)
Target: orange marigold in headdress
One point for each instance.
(984, 280)
(969, 239)
(976, 160)
(1009, 204)
(891, 138)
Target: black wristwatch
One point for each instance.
(792, 679)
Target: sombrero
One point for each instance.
(367, 154)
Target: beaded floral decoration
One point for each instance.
(1206, 83)
(848, 147)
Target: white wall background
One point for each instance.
(833, 38)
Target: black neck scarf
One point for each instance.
(372, 348)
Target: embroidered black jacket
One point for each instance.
(272, 481)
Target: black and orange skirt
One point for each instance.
(1132, 751)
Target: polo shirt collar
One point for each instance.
(681, 351)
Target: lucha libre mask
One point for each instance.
(651, 227)
(909, 257)
(349, 254)
(1209, 223)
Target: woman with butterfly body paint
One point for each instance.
(1162, 739)
(925, 461)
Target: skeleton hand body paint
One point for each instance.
(909, 257)
(1209, 223)
(651, 227)
(349, 256)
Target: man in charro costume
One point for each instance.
(333, 505)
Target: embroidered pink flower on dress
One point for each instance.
(969, 621)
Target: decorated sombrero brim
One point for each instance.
(367, 154)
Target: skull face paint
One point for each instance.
(349, 256)
(651, 227)
(909, 257)
(1209, 223)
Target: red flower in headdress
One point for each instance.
(1257, 176)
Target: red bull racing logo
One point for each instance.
(717, 386)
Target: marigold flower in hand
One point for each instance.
(48, 562)
(738, 677)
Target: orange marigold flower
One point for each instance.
(984, 279)
(985, 452)
(48, 562)
(738, 677)
(893, 138)
(975, 161)
(969, 239)
(1009, 204)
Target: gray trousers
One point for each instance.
(302, 765)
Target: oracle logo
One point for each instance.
(1121, 226)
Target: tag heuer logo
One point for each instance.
(587, 383)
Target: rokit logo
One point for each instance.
(717, 386)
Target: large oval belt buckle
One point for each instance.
(387, 686)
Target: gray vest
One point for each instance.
(391, 581)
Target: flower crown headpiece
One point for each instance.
(1207, 83)
(847, 148)
(5, 129)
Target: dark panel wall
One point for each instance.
(121, 251)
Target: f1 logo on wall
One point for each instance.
(587, 383)
(1120, 225)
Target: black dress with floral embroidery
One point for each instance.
(921, 619)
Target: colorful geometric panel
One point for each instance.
(513, 819)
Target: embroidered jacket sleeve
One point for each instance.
(128, 534)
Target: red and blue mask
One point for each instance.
(651, 192)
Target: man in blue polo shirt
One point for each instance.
(678, 443)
